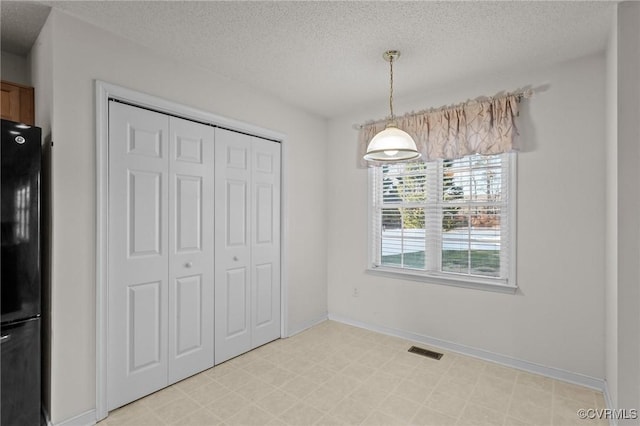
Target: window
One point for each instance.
(448, 221)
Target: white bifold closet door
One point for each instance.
(161, 251)
(247, 226)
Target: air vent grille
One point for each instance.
(425, 352)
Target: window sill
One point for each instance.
(472, 282)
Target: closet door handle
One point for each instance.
(188, 264)
(235, 258)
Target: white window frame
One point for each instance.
(452, 279)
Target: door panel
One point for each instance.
(236, 156)
(264, 294)
(233, 250)
(144, 212)
(248, 258)
(138, 257)
(191, 273)
(188, 213)
(265, 244)
(236, 213)
(189, 149)
(161, 251)
(236, 306)
(188, 300)
(264, 214)
(144, 326)
(144, 141)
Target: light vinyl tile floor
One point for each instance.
(335, 374)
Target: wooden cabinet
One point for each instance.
(17, 103)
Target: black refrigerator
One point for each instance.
(20, 166)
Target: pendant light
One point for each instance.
(391, 144)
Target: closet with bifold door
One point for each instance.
(247, 291)
(193, 247)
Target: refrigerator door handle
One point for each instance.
(5, 338)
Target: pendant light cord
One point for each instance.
(391, 88)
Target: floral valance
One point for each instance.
(481, 126)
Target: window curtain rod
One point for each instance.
(519, 94)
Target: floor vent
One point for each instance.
(425, 352)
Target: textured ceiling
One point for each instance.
(326, 57)
(20, 24)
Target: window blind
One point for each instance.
(445, 217)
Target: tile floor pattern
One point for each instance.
(335, 374)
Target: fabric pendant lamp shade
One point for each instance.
(392, 144)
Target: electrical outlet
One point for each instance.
(356, 292)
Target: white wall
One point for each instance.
(82, 53)
(557, 317)
(628, 149)
(611, 244)
(15, 68)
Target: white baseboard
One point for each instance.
(552, 372)
(88, 418)
(299, 328)
(609, 403)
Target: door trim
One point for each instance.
(104, 92)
